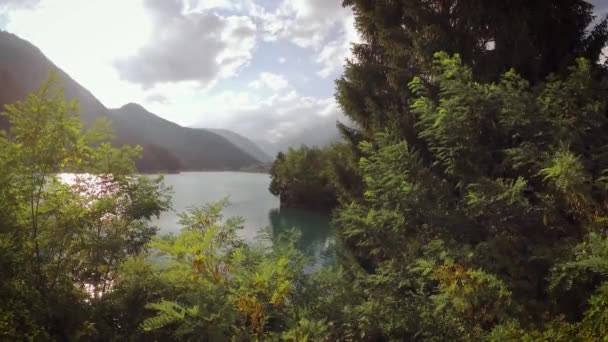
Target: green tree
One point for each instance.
(301, 178)
(399, 39)
(65, 242)
(510, 180)
(224, 288)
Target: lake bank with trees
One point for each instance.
(469, 200)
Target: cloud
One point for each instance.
(321, 25)
(14, 4)
(158, 98)
(6, 6)
(283, 119)
(306, 23)
(190, 46)
(270, 80)
(334, 54)
(77, 37)
(601, 7)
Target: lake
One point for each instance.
(249, 199)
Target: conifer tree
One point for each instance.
(536, 38)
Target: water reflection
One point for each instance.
(249, 199)
(317, 239)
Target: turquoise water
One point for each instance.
(249, 199)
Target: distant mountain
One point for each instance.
(167, 146)
(243, 143)
(320, 134)
(23, 67)
(197, 149)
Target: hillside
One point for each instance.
(167, 146)
(23, 67)
(243, 143)
(197, 149)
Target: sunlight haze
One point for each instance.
(264, 69)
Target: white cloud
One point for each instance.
(306, 23)
(321, 25)
(283, 116)
(202, 47)
(194, 6)
(7, 5)
(282, 60)
(274, 81)
(270, 80)
(334, 54)
(158, 98)
(76, 35)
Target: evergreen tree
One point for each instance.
(536, 38)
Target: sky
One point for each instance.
(262, 68)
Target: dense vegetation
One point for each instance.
(311, 177)
(62, 245)
(471, 201)
(80, 261)
(481, 206)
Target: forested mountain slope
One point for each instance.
(243, 143)
(167, 146)
(197, 149)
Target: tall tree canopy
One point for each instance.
(483, 168)
(399, 38)
(515, 178)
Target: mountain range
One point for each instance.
(243, 143)
(198, 149)
(320, 134)
(167, 146)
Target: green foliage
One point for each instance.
(399, 40)
(225, 288)
(469, 219)
(65, 241)
(471, 201)
(307, 331)
(313, 177)
(479, 300)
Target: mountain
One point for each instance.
(243, 143)
(197, 149)
(167, 146)
(320, 134)
(23, 67)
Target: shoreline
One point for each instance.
(192, 171)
